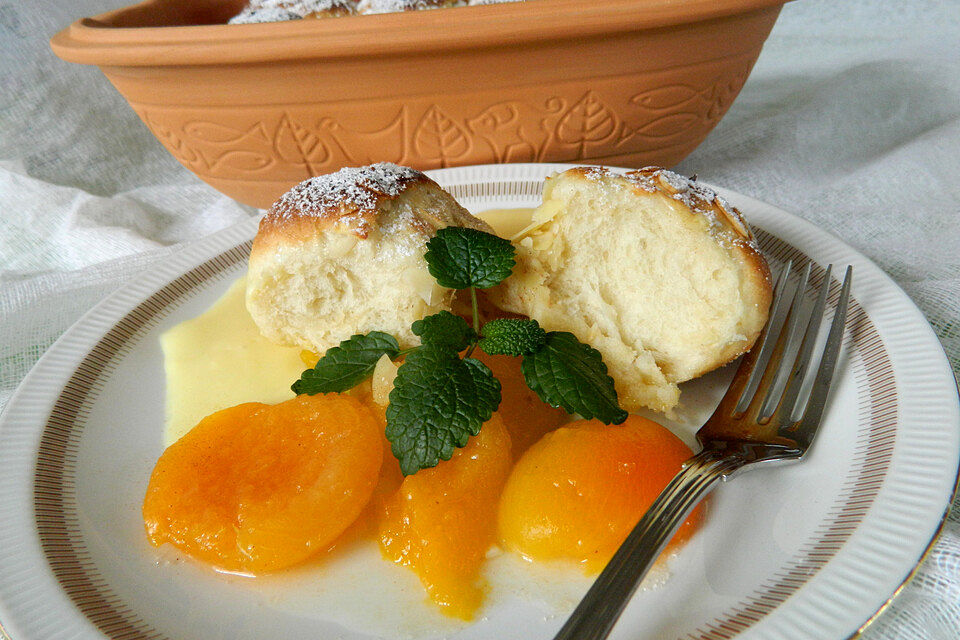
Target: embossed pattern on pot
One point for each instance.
(622, 94)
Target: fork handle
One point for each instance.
(600, 608)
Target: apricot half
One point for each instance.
(578, 492)
(256, 487)
(526, 416)
(442, 521)
(367, 524)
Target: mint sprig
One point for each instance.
(439, 398)
(461, 258)
(438, 401)
(512, 337)
(343, 367)
(444, 328)
(570, 374)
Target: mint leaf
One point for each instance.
(570, 374)
(446, 329)
(343, 367)
(512, 337)
(438, 401)
(460, 258)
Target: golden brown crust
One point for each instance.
(352, 200)
(346, 201)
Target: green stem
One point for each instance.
(404, 352)
(476, 319)
(476, 310)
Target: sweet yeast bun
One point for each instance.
(282, 10)
(658, 273)
(395, 6)
(342, 254)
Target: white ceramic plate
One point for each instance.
(807, 551)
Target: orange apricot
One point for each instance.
(390, 476)
(256, 487)
(527, 416)
(578, 492)
(366, 526)
(442, 521)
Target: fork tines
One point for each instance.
(779, 388)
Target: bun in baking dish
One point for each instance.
(396, 6)
(342, 254)
(657, 272)
(282, 10)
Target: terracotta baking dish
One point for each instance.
(254, 109)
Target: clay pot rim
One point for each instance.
(99, 41)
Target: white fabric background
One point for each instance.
(851, 119)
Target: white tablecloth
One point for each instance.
(851, 119)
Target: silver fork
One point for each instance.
(763, 418)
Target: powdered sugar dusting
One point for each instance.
(396, 6)
(253, 16)
(597, 173)
(355, 189)
(281, 10)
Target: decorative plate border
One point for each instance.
(75, 573)
(55, 502)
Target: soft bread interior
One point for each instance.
(330, 286)
(639, 276)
